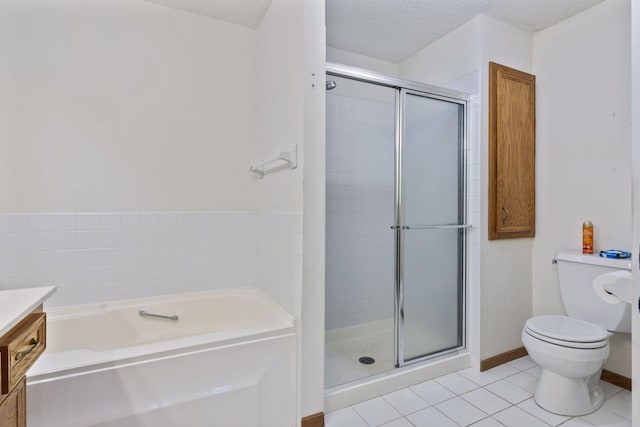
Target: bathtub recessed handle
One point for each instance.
(143, 313)
(32, 345)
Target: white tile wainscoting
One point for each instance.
(502, 396)
(102, 256)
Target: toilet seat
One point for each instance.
(567, 332)
(568, 344)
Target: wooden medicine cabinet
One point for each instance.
(511, 153)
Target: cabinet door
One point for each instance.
(511, 153)
(13, 407)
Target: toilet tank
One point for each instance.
(576, 272)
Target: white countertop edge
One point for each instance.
(15, 304)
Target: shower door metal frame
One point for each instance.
(400, 227)
(402, 88)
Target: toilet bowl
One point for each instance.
(571, 353)
(572, 349)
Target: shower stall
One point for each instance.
(395, 236)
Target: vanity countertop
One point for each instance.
(15, 304)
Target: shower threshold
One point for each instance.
(351, 393)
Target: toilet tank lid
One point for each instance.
(579, 257)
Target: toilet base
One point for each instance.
(569, 396)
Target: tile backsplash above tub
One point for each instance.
(117, 255)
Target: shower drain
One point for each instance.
(366, 360)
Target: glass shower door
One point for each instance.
(360, 185)
(395, 157)
(430, 227)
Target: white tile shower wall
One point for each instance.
(470, 83)
(279, 266)
(360, 203)
(118, 255)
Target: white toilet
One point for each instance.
(572, 350)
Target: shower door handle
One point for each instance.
(434, 227)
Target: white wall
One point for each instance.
(506, 264)
(121, 126)
(280, 102)
(120, 105)
(290, 107)
(451, 56)
(290, 110)
(279, 114)
(361, 61)
(313, 292)
(132, 108)
(583, 167)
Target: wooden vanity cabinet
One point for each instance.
(13, 406)
(19, 349)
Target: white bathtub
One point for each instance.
(228, 361)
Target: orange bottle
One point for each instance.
(587, 237)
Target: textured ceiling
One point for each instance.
(244, 12)
(396, 29)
